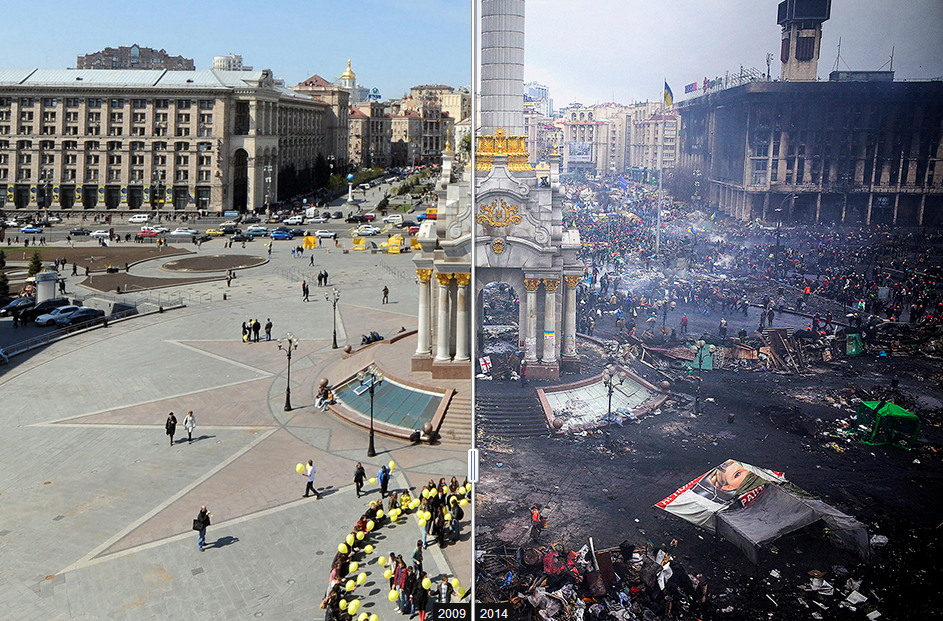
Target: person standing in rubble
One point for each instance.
(536, 522)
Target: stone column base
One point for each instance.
(570, 364)
(421, 362)
(543, 372)
(451, 370)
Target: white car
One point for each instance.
(11, 224)
(139, 218)
(155, 229)
(325, 234)
(318, 220)
(53, 219)
(228, 223)
(257, 227)
(367, 229)
(184, 231)
(294, 220)
(100, 234)
(50, 318)
(396, 218)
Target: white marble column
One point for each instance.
(550, 320)
(569, 317)
(530, 329)
(462, 329)
(425, 331)
(442, 324)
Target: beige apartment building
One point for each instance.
(134, 140)
(370, 135)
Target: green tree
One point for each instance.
(35, 264)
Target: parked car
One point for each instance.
(83, 315)
(395, 218)
(300, 232)
(369, 217)
(294, 220)
(54, 219)
(42, 308)
(281, 235)
(31, 229)
(325, 234)
(157, 229)
(20, 304)
(412, 230)
(251, 220)
(367, 229)
(319, 219)
(408, 223)
(47, 319)
(147, 233)
(228, 223)
(274, 219)
(355, 218)
(100, 234)
(138, 218)
(215, 232)
(326, 214)
(80, 232)
(242, 237)
(231, 229)
(337, 215)
(184, 231)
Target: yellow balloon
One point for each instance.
(373, 480)
(426, 583)
(445, 489)
(388, 574)
(422, 522)
(300, 468)
(447, 516)
(342, 604)
(374, 617)
(360, 535)
(363, 617)
(350, 586)
(428, 515)
(393, 596)
(463, 502)
(425, 493)
(370, 525)
(461, 592)
(353, 567)
(454, 583)
(433, 493)
(368, 549)
(342, 548)
(361, 577)
(353, 607)
(382, 561)
(416, 504)
(380, 513)
(350, 540)
(392, 464)
(461, 490)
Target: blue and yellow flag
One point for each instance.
(669, 97)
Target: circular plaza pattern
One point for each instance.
(213, 263)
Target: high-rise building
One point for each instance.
(537, 98)
(336, 123)
(232, 62)
(134, 57)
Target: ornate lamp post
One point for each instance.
(371, 377)
(698, 350)
(47, 190)
(333, 297)
(287, 345)
(157, 178)
(611, 377)
(350, 189)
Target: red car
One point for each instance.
(413, 230)
(148, 233)
(369, 217)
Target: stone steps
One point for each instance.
(510, 415)
(456, 428)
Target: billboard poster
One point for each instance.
(580, 151)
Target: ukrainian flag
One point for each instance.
(669, 97)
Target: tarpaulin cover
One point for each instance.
(887, 423)
(753, 506)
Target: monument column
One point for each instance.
(550, 320)
(461, 321)
(569, 317)
(530, 329)
(442, 325)
(425, 332)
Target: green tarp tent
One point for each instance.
(880, 422)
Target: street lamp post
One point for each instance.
(333, 297)
(779, 222)
(157, 178)
(47, 190)
(611, 377)
(288, 344)
(268, 187)
(698, 350)
(374, 376)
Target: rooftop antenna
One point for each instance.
(891, 61)
(839, 58)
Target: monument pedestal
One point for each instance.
(541, 371)
(451, 370)
(570, 364)
(421, 363)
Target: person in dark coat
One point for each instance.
(359, 475)
(171, 427)
(202, 520)
(420, 596)
(383, 478)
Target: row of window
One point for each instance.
(112, 145)
(114, 104)
(114, 174)
(95, 130)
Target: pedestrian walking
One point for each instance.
(171, 427)
(386, 294)
(417, 558)
(309, 473)
(523, 372)
(268, 329)
(359, 475)
(383, 478)
(256, 326)
(189, 423)
(75, 269)
(304, 290)
(200, 523)
(684, 324)
(312, 260)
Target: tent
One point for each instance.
(886, 423)
(751, 507)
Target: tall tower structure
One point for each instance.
(801, 21)
(502, 66)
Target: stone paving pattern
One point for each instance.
(97, 506)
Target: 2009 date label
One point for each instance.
(493, 612)
(451, 612)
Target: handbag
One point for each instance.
(197, 524)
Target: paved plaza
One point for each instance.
(97, 506)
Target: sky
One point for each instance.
(393, 44)
(623, 50)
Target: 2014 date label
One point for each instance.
(493, 612)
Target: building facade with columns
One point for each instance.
(130, 141)
(443, 273)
